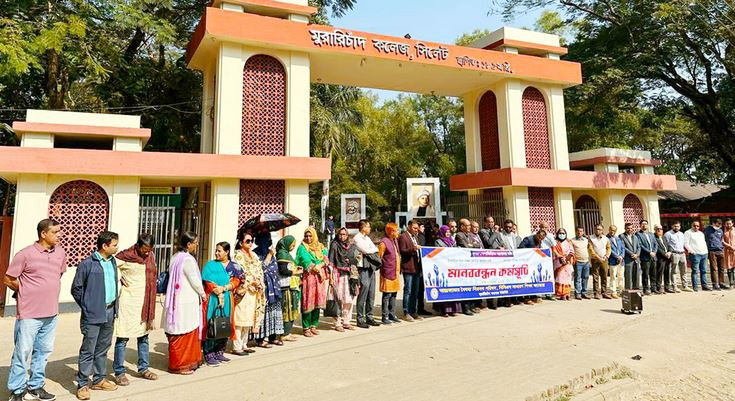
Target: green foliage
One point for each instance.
(467, 38)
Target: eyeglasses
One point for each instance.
(248, 241)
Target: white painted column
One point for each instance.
(297, 203)
(208, 103)
(650, 200)
(510, 124)
(611, 208)
(298, 95)
(564, 209)
(516, 201)
(225, 202)
(228, 123)
(557, 129)
(124, 206)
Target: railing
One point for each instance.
(587, 218)
(477, 207)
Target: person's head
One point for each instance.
(508, 226)
(728, 223)
(475, 227)
(445, 231)
(629, 228)
(331, 217)
(264, 242)
(696, 225)
(676, 226)
(222, 252)
(464, 225)
(309, 236)
(644, 225)
(489, 222)
(515, 228)
(107, 243)
(658, 230)
(543, 225)
(612, 230)
(599, 230)
(452, 225)
(561, 234)
(188, 242)
(540, 236)
(579, 232)
(144, 245)
(424, 198)
(422, 228)
(413, 228)
(364, 227)
(287, 243)
(391, 230)
(48, 231)
(717, 223)
(496, 227)
(343, 235)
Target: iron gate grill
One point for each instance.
(159, 220)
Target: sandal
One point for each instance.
(264, 345)
(340, 329)
(308, 333)
(348, 327)
(314, 331)
(277, 342)
(148, 375)
(248, 350)
(185, 372)
(289, 337)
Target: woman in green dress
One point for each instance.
(312, 257)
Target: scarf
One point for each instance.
(217, 274)
(340, 251)
(442, 236)
(315, 248)
(130, 255)
(283, 249)
(234, 270)
(270, 271)
(176, 274)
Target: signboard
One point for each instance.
(353, 210)
(457, 274)
(422, 198)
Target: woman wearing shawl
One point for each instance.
(312, 256)
(182, 308)
(290, 280)
(339, 259)
(390, 271)
(272, 326)
(249, 297)
(445, 240)
(563, 265)
(218, 285)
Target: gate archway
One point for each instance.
(587, 213)
(632, 210)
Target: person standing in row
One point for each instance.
(312, 257)
(465, 239)
(218, 287)
(35, 276)
(136, 306)
(647, 257)
(290, 275)
(600, 250)
(367, 263)
(728, 243)
(271, 328)
(95, 290)
(390, 271)
(249, 297)
(408, 244)
(696, 247)
(341, 264)
(563, 253)
(582, 247)
(182, 308)
(632, 257)
(675, 240)
(490, 238)
(445, 240)
(663, 263)
(615, 261)
(713, 235)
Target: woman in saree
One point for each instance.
(218, 287)
(290, 281)
(250, 300)
(390, 272)
(445, 240)
(182, 309)
(272, 327)
(341, 265)
(312, 257)
(563, 265)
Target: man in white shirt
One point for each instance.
(696, 247)
(366, 297)
(675, 240)
(599, 253)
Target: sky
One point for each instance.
(440, 21)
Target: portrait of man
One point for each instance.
(423, 201)
(352, 210)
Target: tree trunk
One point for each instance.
(55, 80)
(325, 196)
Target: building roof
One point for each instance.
(689, 191)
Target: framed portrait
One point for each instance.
(353, 210)
(423, 198)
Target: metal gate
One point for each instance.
(587, 213)
(477, 206)
(159, 220)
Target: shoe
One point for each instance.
(646, 292)
(408, 318)
(416, 316)
(222, 358)
(83, 393)
(373, 323)
(537, 300)
(578, 297)
(211, 361)
(239, 353)
(17, 397)
(39, 394)
(104, 385)
(468, 313)
(706, 289)
(122, 380)
(424, 312)
(339, 329)
(598, 296)
(695, 289)
(394, 319)
(724, 287)
(387, 321)
(606, 296)
(688, 289)
(363, 325)
(584, 296)
(528, 302)
(717, 288)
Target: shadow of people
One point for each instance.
(64, 372)
(157, 356)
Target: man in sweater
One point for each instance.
(582, 263)
(648, 256)
(713, 235)
(696, 247)
(599, 254)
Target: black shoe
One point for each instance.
(363, 325)
(706, 289)
(468, 313)
(387, 321)
(17, 397)
(39, 394)
(373, 323)
(717, 288)
(395, 319)
(424, 312)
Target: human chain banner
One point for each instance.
(458, 274)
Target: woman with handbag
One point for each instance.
(249, 297)
(272, 327)
(290, 280)
(312, 257)
(219, 301)
(390, 271)
(339, 252)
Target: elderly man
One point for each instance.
(615, 261)
(367, 262)
(600, 250)
(632, 257)
(465, 239)
(490, 238)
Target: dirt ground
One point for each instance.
(578, 350)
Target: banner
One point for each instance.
(457, 274)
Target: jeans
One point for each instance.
(389, 305)
(699, 264)
(93, 353)
(631, 275)
(411, 283)
(366, 298)
(120, 344)
(581, 275)
(33, 338)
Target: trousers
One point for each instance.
(366, 297)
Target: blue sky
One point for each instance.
(440, 21)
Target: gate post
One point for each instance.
(6, 232)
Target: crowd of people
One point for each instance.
(262, 290)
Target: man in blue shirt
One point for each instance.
(617, 252)
(95, 291)
(713, 236)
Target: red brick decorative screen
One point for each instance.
(536, 130)
(82, 208)
(489, 142)
(263, 107)
(541, 206)
(632, 210)
(261, 196)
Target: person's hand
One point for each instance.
(620, 259)
(124, 282)
(653, 254)
(299, 270)
(218, 290)
(634, 257)
(221, 299)
(668, 255)
(149, 325)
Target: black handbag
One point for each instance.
(334, 306)
(219, 327)
(162, 282)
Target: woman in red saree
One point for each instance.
(563, 265)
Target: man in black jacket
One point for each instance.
(95, 290)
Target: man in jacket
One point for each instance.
(713, 236)
(408, 246)
(464, 240)
(95, 290)
(663, 263)
(648, 256)
(490, 238)
(632, 255)
(617, 252)
(366, 251)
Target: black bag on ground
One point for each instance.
(219, 327)
(334, 306)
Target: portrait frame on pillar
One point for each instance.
(423, 198)
(353, 209)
